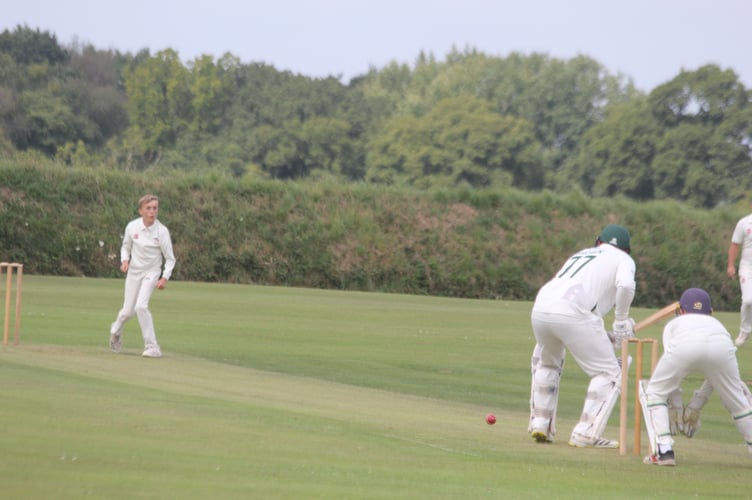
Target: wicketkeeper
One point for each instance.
(568, 314)
(693, 342)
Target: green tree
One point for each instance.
(705, 153)
(278, 150)
(707, 96)
(159, 100)
(329, 147)
(98, 90)
(293, 126)
(8, 99)
(562, 99)
(688, 140)
(692, 166)
(32, 46)
(299, 149)
(10, 72)
(616, 155)
(45, 122)
(212, 85)
(388, 88)
(461, 140)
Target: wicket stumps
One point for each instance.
(9, 267)
(625, 386)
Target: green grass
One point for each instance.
(278, 392)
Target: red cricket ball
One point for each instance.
(490, 419)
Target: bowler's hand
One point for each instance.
(731, 271)
(124, 266)
(161, 283)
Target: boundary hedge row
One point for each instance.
(462, 242)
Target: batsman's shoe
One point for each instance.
(115, 343)
(741, 339)
(541, 436)
(580, 441)
(666, 458)
(152, 352)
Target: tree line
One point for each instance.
(472, 120)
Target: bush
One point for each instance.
(462, 243)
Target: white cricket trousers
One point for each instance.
(714, 357)
(585, 338)
(138, 289)
(745, 313)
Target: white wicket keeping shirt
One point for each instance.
(742, 236)
(587, 282)
(145, 247)
(699, 329)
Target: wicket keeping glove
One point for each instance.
(691, 418)
(675, 421)
(675, 409)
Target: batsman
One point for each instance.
(568, 315)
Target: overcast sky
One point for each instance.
(650, 41)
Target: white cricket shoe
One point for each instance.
(741, 339)
(115, 343)
(541, 436)
(580, 441)
(152, 352)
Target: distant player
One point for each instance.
(568, 314)
(693, 342)
(742, 239)
(147, 259)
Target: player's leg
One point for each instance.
(145, 320)
(743, 418)
(132, 283)
(745, 311)
(733, 392)
(534, 365)
(534, 362)
(654, 399)
(590, 347)
(648, 416)
(545, 381)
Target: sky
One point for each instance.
(648, 41)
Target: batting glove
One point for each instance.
(691, 418)
(623, 329)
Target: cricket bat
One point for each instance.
(660, 315)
